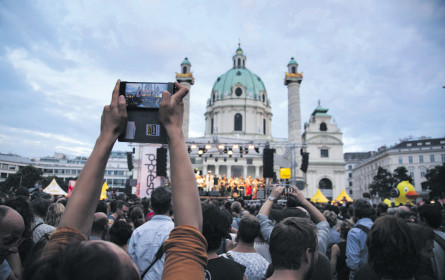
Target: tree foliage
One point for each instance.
(435, 181)
(400, 174)
(27, 177)
(382, 183)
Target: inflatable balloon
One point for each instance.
(403, 193)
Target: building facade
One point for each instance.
(11, 164)
(351, 160)
(417, 156)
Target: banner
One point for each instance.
(148, 180)
(71, 185)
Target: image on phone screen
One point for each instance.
(144, 95)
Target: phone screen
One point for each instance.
(144, 95)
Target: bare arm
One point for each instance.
(82, 204)
(335, 252)
(186, 203)
(276, 192)
(316, 215)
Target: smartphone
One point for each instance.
(143, 100)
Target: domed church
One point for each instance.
(238, 131)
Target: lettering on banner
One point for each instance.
(151, 171)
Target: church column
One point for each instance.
(293, 80)
(257, 171)
(204, 170)
(229, 171)
(245, 171)
(186, 79)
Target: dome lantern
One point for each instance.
(239, 59)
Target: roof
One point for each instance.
(320, 111)
(357, 156)
(424, 142)
(15, 159)
(186, 61)
(292, 61)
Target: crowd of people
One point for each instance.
(175, 235)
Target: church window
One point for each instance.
(258, 78)
(211, 126)
(238, 122)
(264, 97)
(219, 78)
(238, 73)
(324, 153)
(184, 70)
(244, 63)
(293, 69)
(214, 97)
(323, 127)
(239, 62)
(325, 183)
(238, 91)
(264, 126)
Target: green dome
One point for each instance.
(253, 84)
(186, 61)
(292, 61)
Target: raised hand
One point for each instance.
(114, 116)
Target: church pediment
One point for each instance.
(323, 139)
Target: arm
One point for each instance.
(334, 256)
(82, 204)
(352, 250)
(15, 264)
(265, 223)
(187, 206)
(316, 215)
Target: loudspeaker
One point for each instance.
(130, 161)
(268, 162)
(304, 162)
(161, 162)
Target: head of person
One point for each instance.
(161, 200)
(293, 245)
(22, 191)
(11, 231)
(382, 208)
(54, 214)
(331, 217)
(100, 225)
(430, 214)
(73, 257)
(121, 208)
(216, 225)
(137, 216)
(291, 201)
(362, 209)
(22, 206)
(119, 233)
(392, 249)
(236, 207)
(40, 206)
(248, 228)
(424, 237)
(345, 227)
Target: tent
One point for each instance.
(342, 195)
(54, 189)
(319, 197)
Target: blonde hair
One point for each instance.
(54, 213)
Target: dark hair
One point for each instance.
(120, 232)
(137, 216)
(22, 191)
(119, 204)
(392, 250)
(289, 240)
(382, 207)
(421, 234)
(99, 226)
(362, 209)
(345, 227)
(80, 260)
(101, 207)
(292, 201)
(431, 214)
(40, 206)
(249, 228)
(21, 205)
(161, 200)
(215, 225)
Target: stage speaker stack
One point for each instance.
(161, 162)
(268, 162)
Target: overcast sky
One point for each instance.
(379, 66)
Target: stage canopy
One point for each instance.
(342, 195)
(54, 189)
(319, 197)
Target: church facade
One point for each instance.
(238, 127)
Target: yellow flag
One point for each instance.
(103, 194)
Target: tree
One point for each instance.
(382, 183)
(400, 174)
(27, 177)
(435, 181)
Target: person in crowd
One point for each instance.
(331, 217)
(404, 213)
(216, 226)
(392, 251)
(54, 214)
(244, 252)
(22, 191)
(121, 211)
(11, 231)
(291, 210)
(316, 216)
(237, 211)
(119, 233)
(339, 269)
(99, 229)
(136, 217)
(39, 228)
(356, 250)
(148, 238)
(382, 209)
(430, 215)
(424, 237)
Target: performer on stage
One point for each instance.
(209, 181)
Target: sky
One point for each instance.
(379, 66)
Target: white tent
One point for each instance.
(54, 189)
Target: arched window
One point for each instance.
(244, 63)
(238, 91)
(211, 126)
(239, 62)
(238, 122)
(323, 127)
(264, 97)
(264, 126)
(214, 97)
(294, 70)
(184, 69)
(325, 183)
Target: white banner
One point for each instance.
(148, 180)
